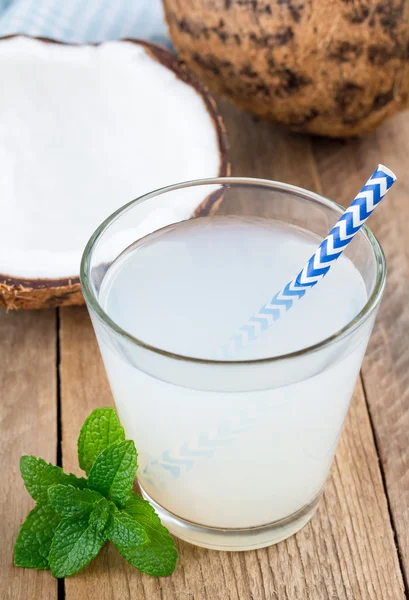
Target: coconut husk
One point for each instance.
(330, 67)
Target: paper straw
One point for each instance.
(318, 265)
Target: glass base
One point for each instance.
(251, 538)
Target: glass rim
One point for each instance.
(359, 319)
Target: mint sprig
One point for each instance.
(38, 476)
(75, 516)
(113, 472)
(160, 551)
(68, 501)
(100, 429)
(35, 537)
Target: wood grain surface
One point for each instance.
(348, 550)
(386, 366)
(28, 425)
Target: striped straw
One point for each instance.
(318, 265)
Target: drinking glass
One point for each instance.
(233, 454)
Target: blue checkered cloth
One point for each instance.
(80, 21)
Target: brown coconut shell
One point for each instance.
(16, 293)
(331, 67)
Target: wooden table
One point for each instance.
(357, 545)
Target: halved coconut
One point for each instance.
(83, 130)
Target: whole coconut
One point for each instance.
(330, 67)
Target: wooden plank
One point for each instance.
(259, 149)
(344, 166)
(346, 552)
(28, 425)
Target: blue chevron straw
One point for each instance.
(318, 265)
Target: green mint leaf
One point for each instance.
(157, 557)
(113, 472)
(101, 514)
(39, 475)
(100, 429)
(125, 531)
(35, 536)
(77, 541)
(68, 501)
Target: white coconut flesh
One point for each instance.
(84, 130)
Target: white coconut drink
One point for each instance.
(84, 130)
